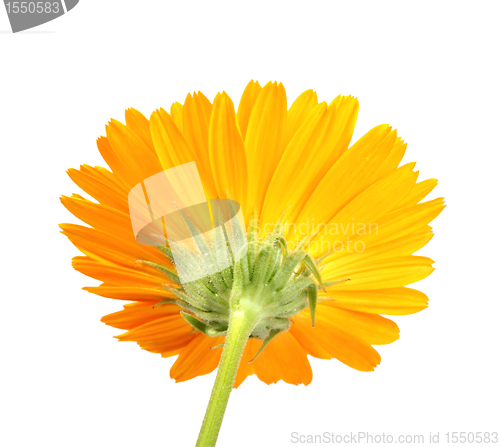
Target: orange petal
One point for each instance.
(246, 368)
(283, 359)
(139, 124)
(168, 335)
(131, 293)
(197, 358)
(118, 275)
(101, 217)
(127, 155)
(137, 314)
(102, 185)
(110, 249)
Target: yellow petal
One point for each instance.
(326, 341)
(227, 151)
(372, 329)
(394, 158)
(176, 114)
(321, 139)
(173, 149)
(350, 175)
(247, 102)
(380, 274)
(365, 210)
(196, 114)
(298, 113)
(355, 252)
(346, 114)
(418, 192)
(264, 142)
(396, 301)
(398, 225)
(304, 159)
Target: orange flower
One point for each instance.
(363, 214)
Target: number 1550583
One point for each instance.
(33, 7)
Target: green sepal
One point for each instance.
(202, 327)
(201, 293)
(252, 237)
(292, 290)
(323, 257)
(188, 263)
(207, 256)
(279, 222)
(198, 302)
(284, 244)
(261, 264)
(311, 265)
(287, 311)
(177, 302)
(180, 303)
(292, 307)
(303, 243)
(332, 283)
(234, 299)
(285, 272)
(166, 271)
(167, 252)
(312, 293)
(222, 251)
(271, 335)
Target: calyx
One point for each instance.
(268, 283)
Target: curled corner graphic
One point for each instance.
(166, 207)
(24, 15)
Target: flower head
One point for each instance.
(330, 233)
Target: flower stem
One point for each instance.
(241, 324)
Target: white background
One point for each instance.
(430, 69)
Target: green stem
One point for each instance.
(241, 324)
